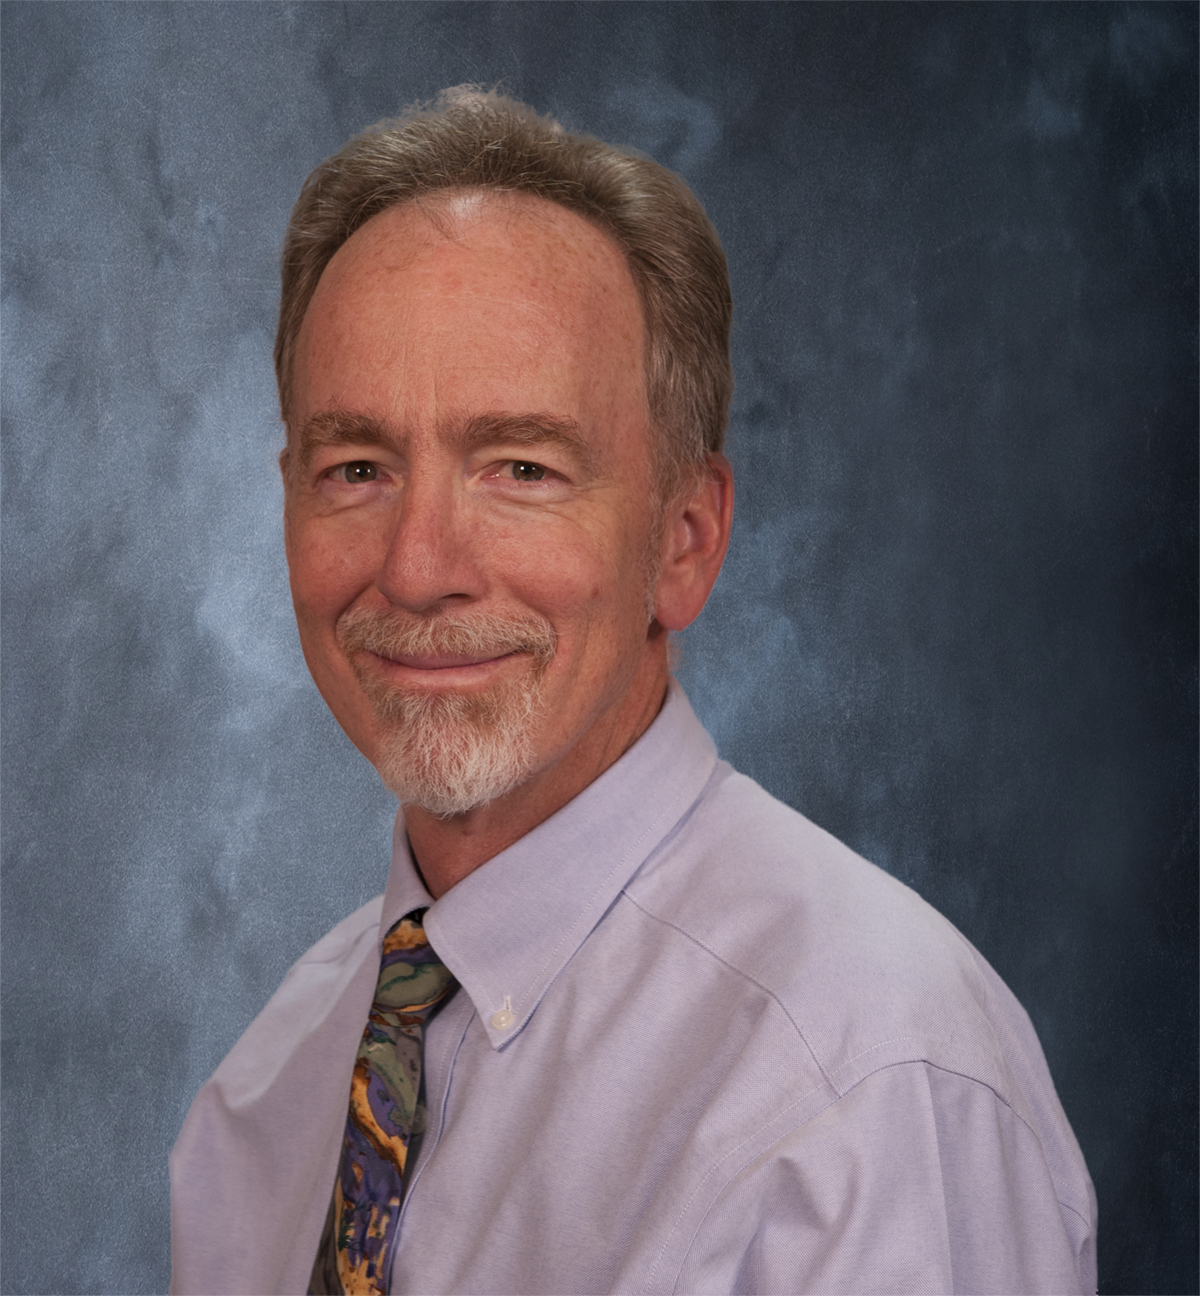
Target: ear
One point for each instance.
(695, 538)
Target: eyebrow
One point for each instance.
(527, 431)
(334, 428)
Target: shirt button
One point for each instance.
(504, 1017)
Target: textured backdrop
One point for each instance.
(957, 625)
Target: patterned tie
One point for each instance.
(386, 1118)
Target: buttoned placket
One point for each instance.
(452, 1024)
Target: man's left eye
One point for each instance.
(361, 470)
(523, 471)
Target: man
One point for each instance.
(621, 1021)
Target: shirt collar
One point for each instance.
(507, 929)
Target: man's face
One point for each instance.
(470, 494)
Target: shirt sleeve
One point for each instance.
(917, 1180)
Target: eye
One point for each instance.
(361, 470)
(523, 471)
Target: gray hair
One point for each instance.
(473, 139)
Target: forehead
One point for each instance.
(489, 298)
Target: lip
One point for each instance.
(436, 662)
(438, 671)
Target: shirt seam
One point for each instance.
(1000, 1098)
(659, 831)
(754, 981)
(635, 849)
(1004, 1102)
(899, 1039)
(656, 830)
(962, 1075)
(991, 1088)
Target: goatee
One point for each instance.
(451, 752)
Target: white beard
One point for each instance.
(451, 752)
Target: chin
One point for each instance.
(451, 753)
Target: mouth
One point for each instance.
(438, 672)
(438, 665)
(390, 652)
(433, 663)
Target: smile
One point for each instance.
(442, 669)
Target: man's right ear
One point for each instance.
(285, 462)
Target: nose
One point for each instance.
(431, 557)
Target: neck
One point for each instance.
(446, 850)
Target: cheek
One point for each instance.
(326, 572)
(589, 586)
(565, 586)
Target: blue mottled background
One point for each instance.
(958, 622)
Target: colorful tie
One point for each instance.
(387, 1117)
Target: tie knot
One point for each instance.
(411, 976)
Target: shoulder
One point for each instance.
(869, 973)
(918, 1045)
(306, 999)
(916, 1180)
(870, 978)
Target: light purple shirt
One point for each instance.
(740, 1059)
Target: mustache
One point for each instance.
(483, 634)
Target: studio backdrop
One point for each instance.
(957, 625)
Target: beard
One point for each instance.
(451, 752)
